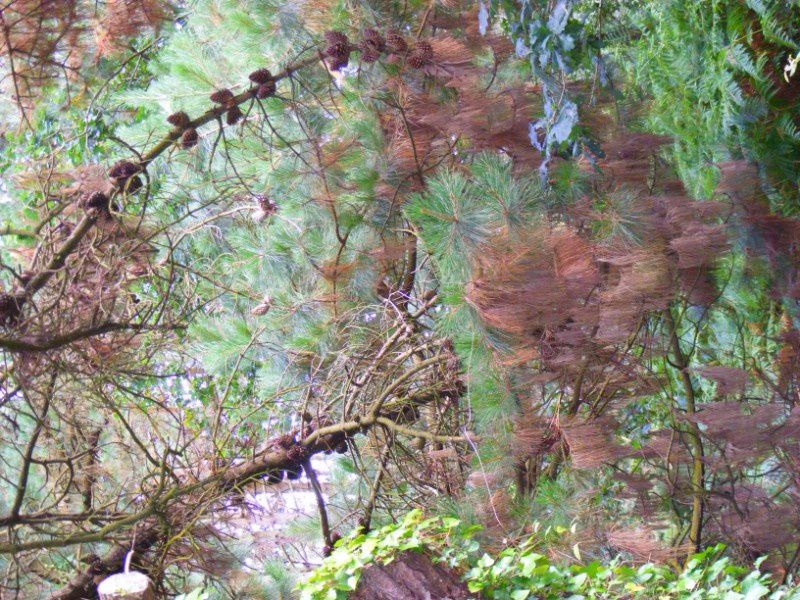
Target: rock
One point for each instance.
(411, 576)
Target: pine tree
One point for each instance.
(327, 229)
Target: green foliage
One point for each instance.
(458, 212)
(714, 71)
(522, 572)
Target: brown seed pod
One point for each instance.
(421, 55)
(335, 537)
(260, 76)
(223, 97)
(10, 308)
(95, 200)
(396, 43)
(189, 138)
(266, 90)
(327, 551)
(179, 119)
(234, 115)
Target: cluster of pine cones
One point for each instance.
(125, 176)
(265, 86)
(227, 100)
(182, 122)
(372, 46)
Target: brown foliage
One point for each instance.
(643, 546)
(43, 40)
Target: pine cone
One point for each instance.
(396, 43)
(294, 472)
(285, 441)
(134, 184)
(234, 115)
(189, 138)
(266, 90)
(95, 200)
(338, 50)
(223, 97)
(421, 55)
(124, 175)
(260, 76)
(297, 453)
(336, 37)
(123, 169)
(179, 119)
(375, 39)
(424, 49)
(266, 204)
(96, 566)
(369, 54)
(10, 308)
(262, 309)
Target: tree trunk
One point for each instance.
(411, 576)
(126, 586)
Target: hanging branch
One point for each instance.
(693, 431)
(323, 513)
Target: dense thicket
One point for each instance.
(517, 262)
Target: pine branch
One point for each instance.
(42, 277)
(228, 482)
